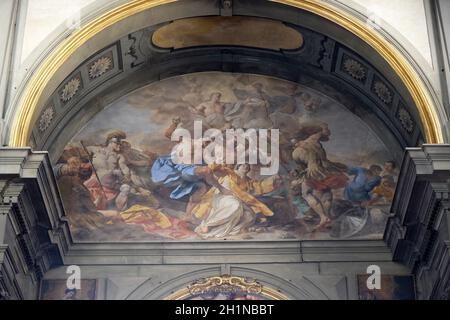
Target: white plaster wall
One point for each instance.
(44, 16)
(7, 8)
(407, 18)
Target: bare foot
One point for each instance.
(323, 224)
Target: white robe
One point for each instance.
(228, 216)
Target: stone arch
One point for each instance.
(58, 63)
(307, 291)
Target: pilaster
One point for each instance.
(31, 222)
(418, 231)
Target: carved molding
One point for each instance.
(30, 211)
(225, 283)
(418, 231)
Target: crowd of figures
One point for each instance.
(130, 192)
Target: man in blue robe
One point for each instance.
(185, 179)
(364, 182)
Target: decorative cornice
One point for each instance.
(31, 207)
(214, 252)
(418, 232)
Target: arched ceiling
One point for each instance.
(43, 17)
(113, 61)
(329, 55)
(174, 11)
(320, 63)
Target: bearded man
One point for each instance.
(111, 170)
(319, 175)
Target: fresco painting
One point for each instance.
(58, 290)
(335, 180)
(393, 287)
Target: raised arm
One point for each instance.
(172, 127)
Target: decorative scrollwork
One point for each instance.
(225, 283)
